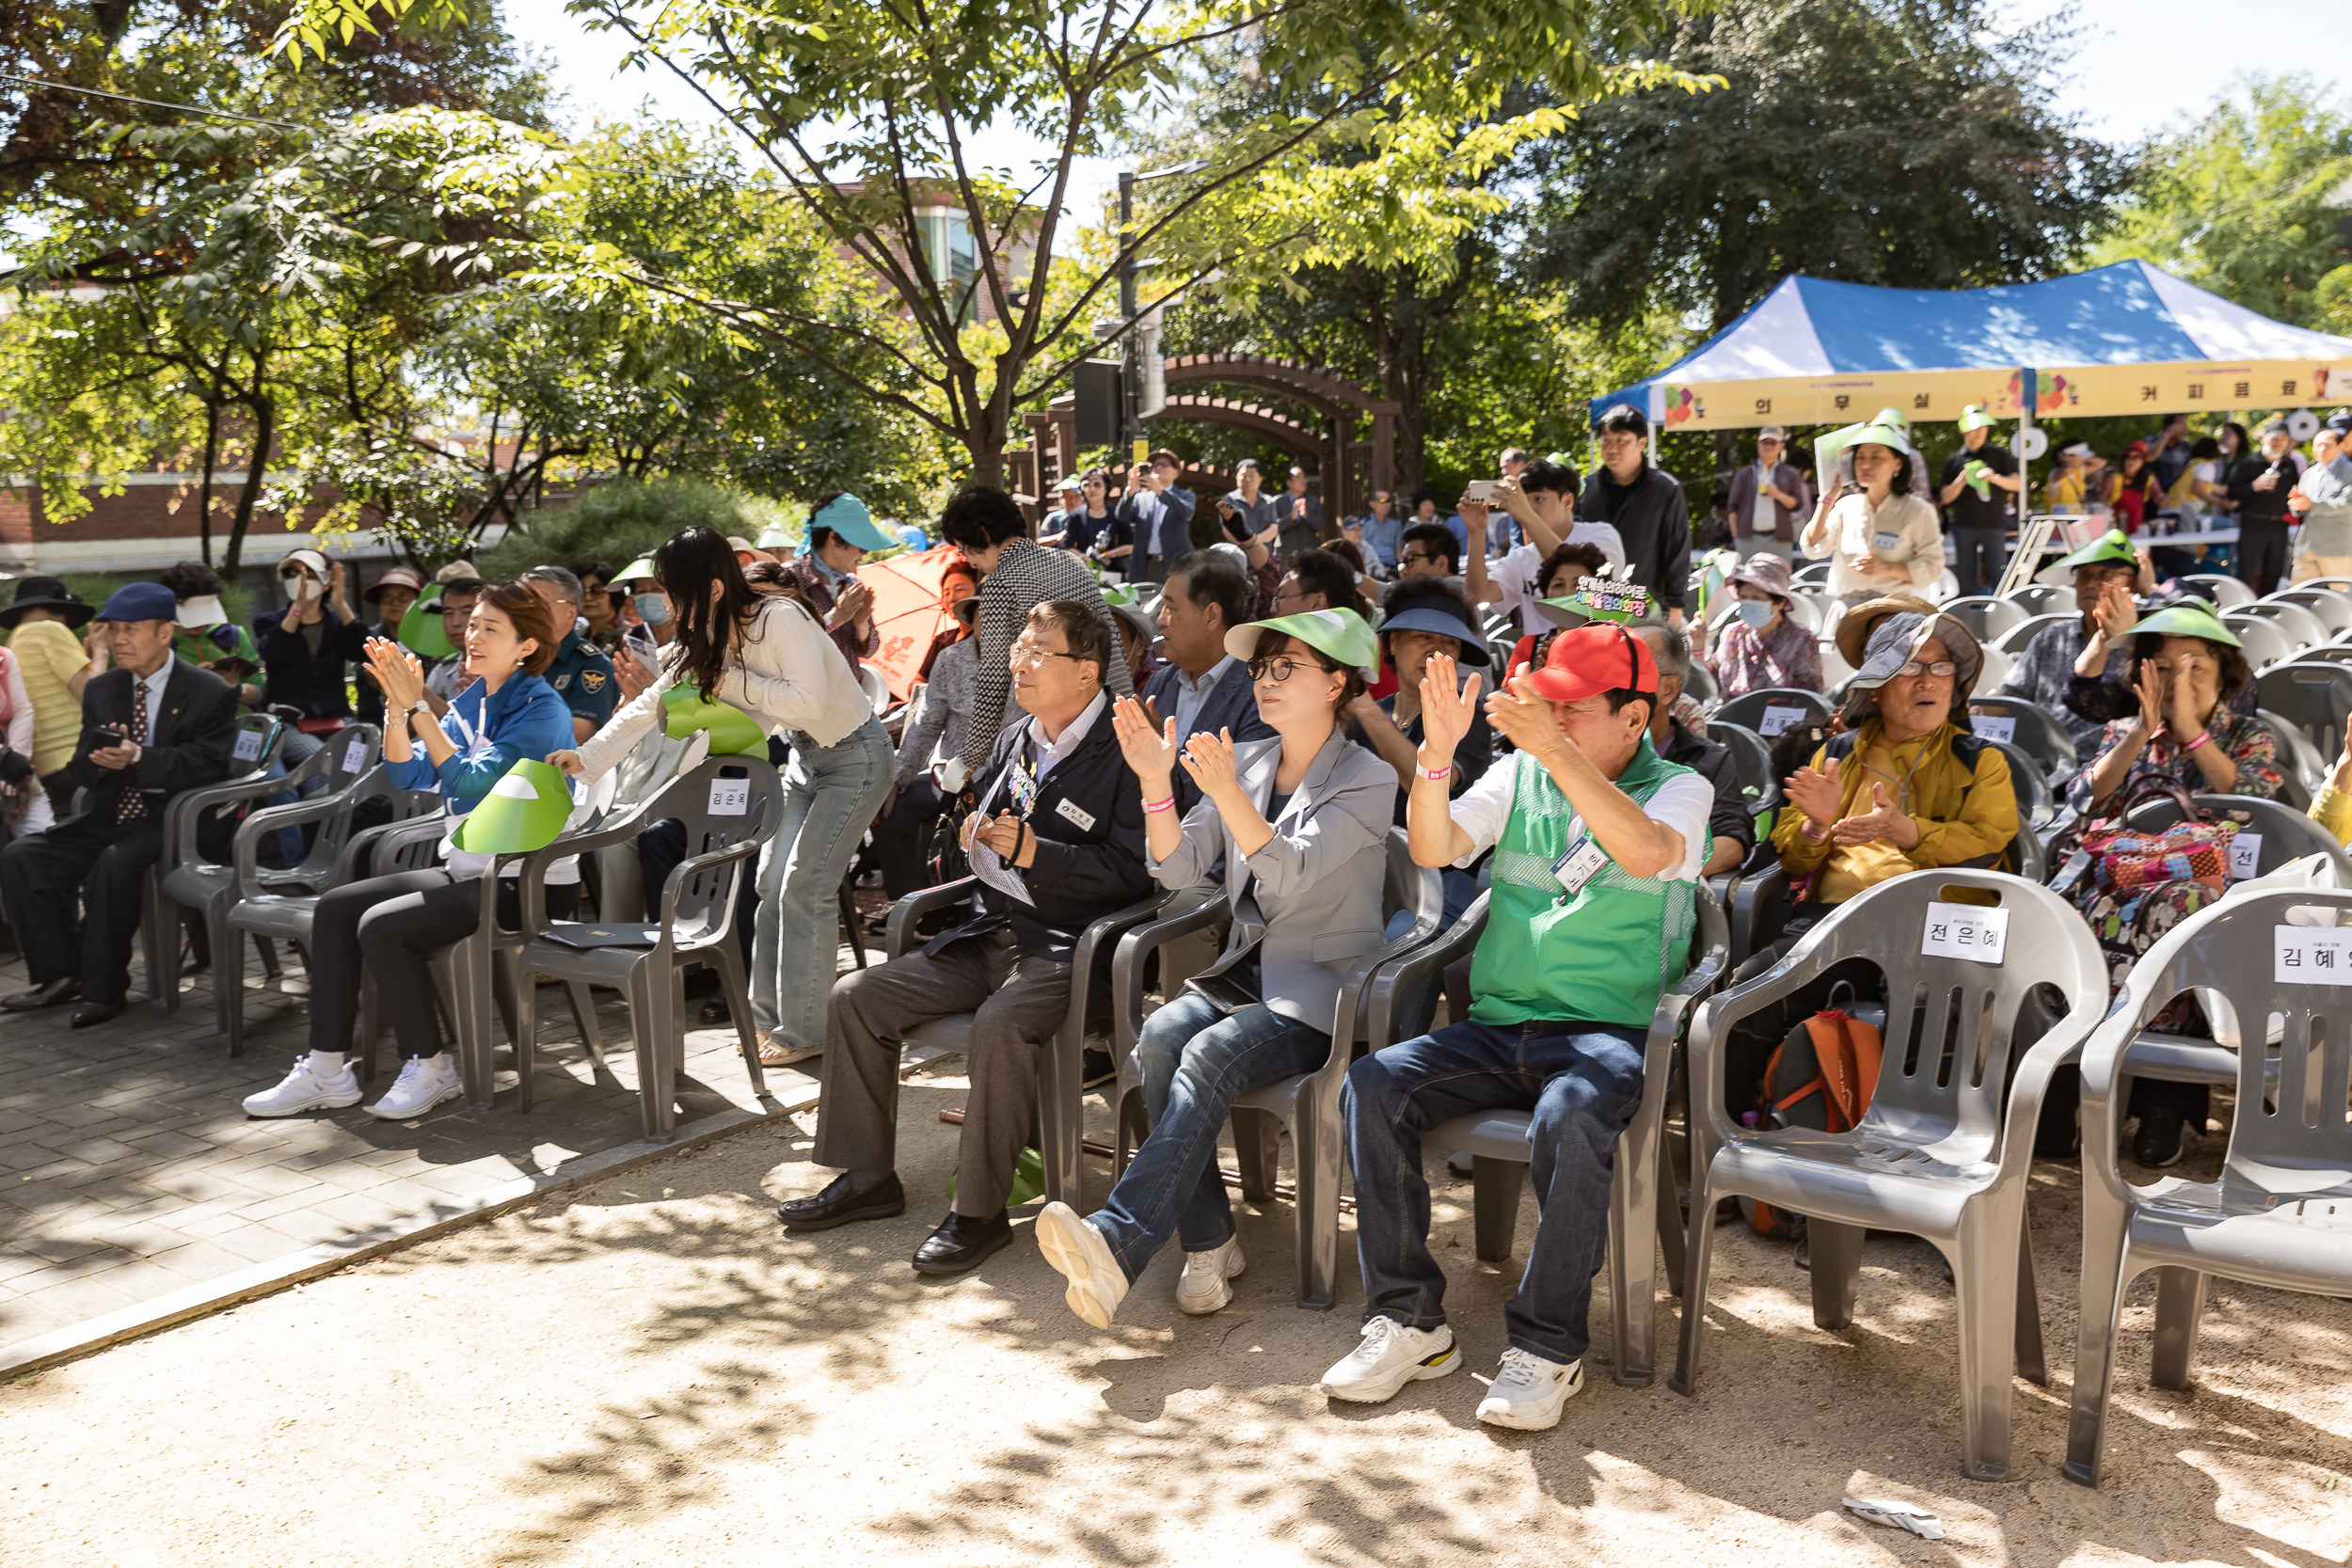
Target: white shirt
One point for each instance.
(1190, 693)
(1516, 573)
(1767, 524)
(1050, 753)
(1901, 530)
(1683, 803)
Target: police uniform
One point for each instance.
(583, 676)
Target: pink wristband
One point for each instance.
(1159, 805)
(1439, 775)
(2199, 742)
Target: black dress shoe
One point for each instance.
(714, 1012)
(38, 997)
(94, 1012)
(842, 1204)
(2158, 1144)
(962, 1244)
(1096, 1069)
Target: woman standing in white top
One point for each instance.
(768, 655)
(1880, 538)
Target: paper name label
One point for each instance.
(730, 797)
(1991, 728)
(1575, 868)
(1072, 811)
(1965, 932)
(1883, 541)
(2310, 955)
(356, 754)
(1779, 719)
(248, 744)
(2245, 854)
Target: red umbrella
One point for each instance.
(907, 612)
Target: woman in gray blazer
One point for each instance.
(1301, 823)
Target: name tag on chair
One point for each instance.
(1777, 719)
(2310, 955)
(2245, 854)
(1991, 728)
(1968, 931)
(248, 744)
(730, 797)
(356, 754)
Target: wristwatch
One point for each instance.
(422, 705)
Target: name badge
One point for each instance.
(356, 754)
(1084, 819)
(2310, 955)
(1777, 719)
(730, 797)
(1885, 540)
(1965, 932)
(1991, 728)
(1575, 868)
(248, 744)
(2245, 854)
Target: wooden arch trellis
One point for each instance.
(1347, 468)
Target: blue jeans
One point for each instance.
(1195, 1065)
(1582, 1081)
(831, 794)
(299, 748)
(1461, 888)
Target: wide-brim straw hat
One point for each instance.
(1853, 638)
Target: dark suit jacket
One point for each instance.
(194, 731)
(1134, 516)
(1088, 821)
(1231, 705)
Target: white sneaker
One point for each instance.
(1390, 1356)
(423, 1083)
(1072, 1245)
(1202, 1288)
(305, 1090)
(1528, 1391)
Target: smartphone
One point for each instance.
(1143, 450)
(1480, 491)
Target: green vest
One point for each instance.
(1602, 957)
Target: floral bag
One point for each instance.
(2133, 885)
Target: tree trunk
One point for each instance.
(257, 463)
(205, 488)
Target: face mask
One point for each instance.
(302, 590)
(1754, 612)
(652, 609)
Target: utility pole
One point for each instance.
(1130, 355)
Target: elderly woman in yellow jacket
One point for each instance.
(1906, 788)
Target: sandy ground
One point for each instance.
(650, 1372)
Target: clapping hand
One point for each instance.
(1515, 711)
(2116, 610)
(1817, 792)
(1882, 821)
(1446, 711)
(2150, 690)
(397, 671)
(1150, 747)
(1209, 758)
(855, 604)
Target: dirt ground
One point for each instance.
(649, 1371)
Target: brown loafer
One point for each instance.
(38, 997)
(94, 1012)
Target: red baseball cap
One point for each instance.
(1596, 657)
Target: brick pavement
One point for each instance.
(129, 1169)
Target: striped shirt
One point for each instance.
(1026, 576)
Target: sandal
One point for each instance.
(772, 1055)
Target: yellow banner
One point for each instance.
(2194, 387)
(1924, 397)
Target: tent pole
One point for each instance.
(2030, 381)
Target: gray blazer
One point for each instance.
(1313, 891)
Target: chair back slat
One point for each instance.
(1751, 759)
(2333, 608)
(2314, 695)
(721, 801)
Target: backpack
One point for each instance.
(1821, 1077)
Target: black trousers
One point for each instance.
(72, 899)
(390, 927)
(902, 838)
(2261, 555)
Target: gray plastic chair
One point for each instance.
(1307, 1106)
(1700, 684)
(2226, 591)
(2303, 628)
(2267, 642)
(2302, 769)
(1061, 1073)
(1751, 758)
(2040, 734)
(1749, 709)
(2315, 696)
(2340, 585)
(184, 881)
(406, 843)
(2013, 641)
(1641, 1188)
(2041, 598)
(1936, 1155)
(1812, 572)
(2277, 1217)
(2338, 651)
(695, 923)
(2332, 607)
(1985, 616)
(2037, 803)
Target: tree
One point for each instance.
(2248, 202)
(867, 116)
(1902, 142)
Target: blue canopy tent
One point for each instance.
(2125, 339)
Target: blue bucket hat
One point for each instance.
(1427, 616)
(141, 601)
(847, 517)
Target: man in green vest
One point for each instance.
(1597, 843)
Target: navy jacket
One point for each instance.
(1088, 821)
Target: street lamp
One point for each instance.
(1130, 270)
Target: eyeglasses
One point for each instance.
(1030, 654)
(1418, 558)
(1285, 598)
(1941, 667)
(1277, 669)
